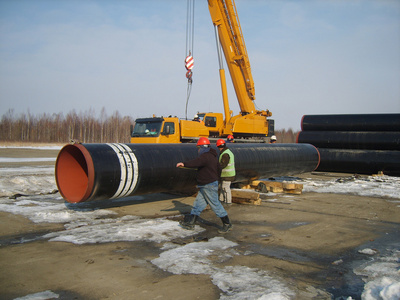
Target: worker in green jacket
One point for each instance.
(227, 162)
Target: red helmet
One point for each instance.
(220, 143)
(230, 137)
(203, 141)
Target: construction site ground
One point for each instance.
(300, 241)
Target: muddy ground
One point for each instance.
(298, 241)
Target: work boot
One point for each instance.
(188, 221)
(226, 225)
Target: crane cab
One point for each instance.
(167, 130)
(214, 123)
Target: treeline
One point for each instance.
(84, 127)
(286, 136)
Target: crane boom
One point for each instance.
(225, 18)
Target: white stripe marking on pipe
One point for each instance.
(123, 163)
(134, 169)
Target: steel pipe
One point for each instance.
(360, 161)
(354, 122)
(367, 140)
(86, 172)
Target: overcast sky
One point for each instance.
(307, 57)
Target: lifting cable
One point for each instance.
(189, 61)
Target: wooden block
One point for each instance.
(295, 191)
(289, 186)
(270, 186)
(247, 187)
(273, 184)
(266, 182)
(246, 201)
(255, 183)
(292, 186)
(245, 194)
(245, 197)
(276, 189)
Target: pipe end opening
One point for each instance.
(74, 169)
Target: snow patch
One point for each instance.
(236, 282)
(127, 228)
(371, 186)
(46, 295)
(382, 277)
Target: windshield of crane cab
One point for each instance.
(146, 129)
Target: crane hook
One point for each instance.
(189, 76)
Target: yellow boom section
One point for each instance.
(224, 17)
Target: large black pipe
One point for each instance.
(86, 172)
(354, 122)
(360, 161)
(367, 140)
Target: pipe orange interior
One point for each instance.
(74, 173)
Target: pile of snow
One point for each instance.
(382, 276)
(27, 181)
(371, 186)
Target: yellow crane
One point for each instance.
(249, 123)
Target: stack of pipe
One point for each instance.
(360, 143)
(86, 172)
